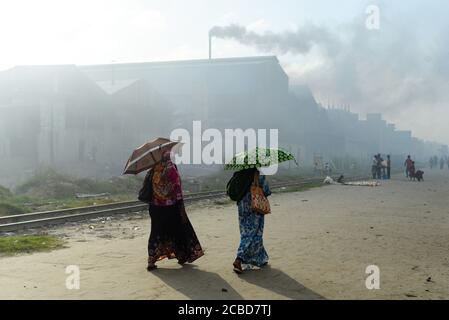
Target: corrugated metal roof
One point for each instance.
(237, 60)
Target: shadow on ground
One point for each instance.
(277, 281)
(197, 284)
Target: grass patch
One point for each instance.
(11, 245)
(5, 192)
(49, 184)
(9, 209)
(51, 190)
(19, 205)
(11, 204)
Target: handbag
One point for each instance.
(259, 203)
(146, 192)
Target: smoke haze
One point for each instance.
(399, 70)
(298, 42)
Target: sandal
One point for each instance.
(151, 267)
(237, 266)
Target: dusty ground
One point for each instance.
(319, 241)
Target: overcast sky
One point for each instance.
(400, 70)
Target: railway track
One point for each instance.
(47, 218)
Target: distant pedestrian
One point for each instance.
(327, 169)
(374, 167)
(388, 167)
(441, 163)
(408, 164)
(379, 166)
(384, 168)
(316, 169)
(411, 171)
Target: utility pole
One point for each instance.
(53, 101)
(210, 45)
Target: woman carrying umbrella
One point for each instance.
(172, 235)
(251, 250)
(242, 188)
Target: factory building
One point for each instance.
(85, 120)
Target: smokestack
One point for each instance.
(210, 45)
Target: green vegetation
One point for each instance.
(50, 190)
(49, 184)
(10, 204)
(11, 245)
(5, 193)
(8, 209)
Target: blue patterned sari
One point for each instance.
(251, 250)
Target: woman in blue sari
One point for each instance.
(251, 251)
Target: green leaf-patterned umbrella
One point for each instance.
(258, 157)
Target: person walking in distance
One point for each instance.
(374, 167)
(408, 165)
(379, 166)
(388, 167)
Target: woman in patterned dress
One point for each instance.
(172, 235)
(251, 251)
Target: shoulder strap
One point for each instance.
(256, 178)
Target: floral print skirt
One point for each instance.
(251, 250)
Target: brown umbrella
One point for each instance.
(147, 155)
